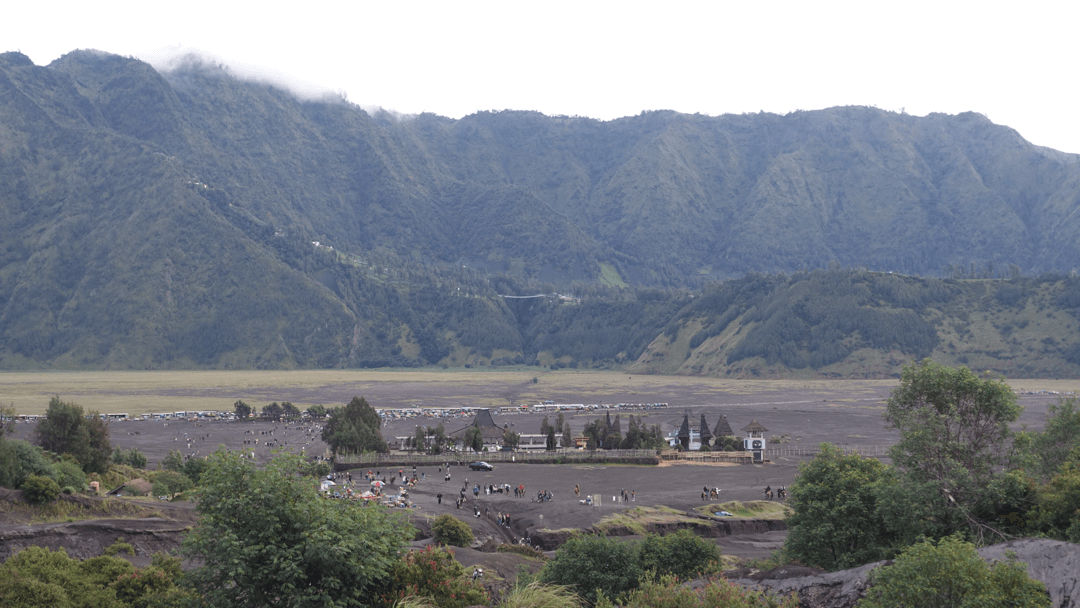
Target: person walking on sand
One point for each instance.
(577, 490)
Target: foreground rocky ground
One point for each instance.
(1055, 563)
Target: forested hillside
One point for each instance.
(191, 219)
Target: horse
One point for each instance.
(768, 493)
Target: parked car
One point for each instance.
(480, 465)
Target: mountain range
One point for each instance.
(189, 218)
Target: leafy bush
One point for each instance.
(132, 457)
(591, 563)
(171, 483)
(18, 459)
(432, 573)
(682, 554)
(70, 474)
(950, 574)
(449, 530)
(37, 576)
(119, 547)
(667, 592)
(526, 550)
(38, 489)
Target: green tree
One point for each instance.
(1006, 502)
(173, 461)
(242, 410)
(420, 438)
(289, 411)
(99, 450)
(131, 457)
(836, 523)
(1057, 509)
(440, 439)
(63, 430)
(1060, 436)
(511, 439)
(266, 538)
(171, 483)
(952, 425)
(7, 420)
(473, 438)
(449, 530)
(67, 430)
(549, 441)
(272, 411)
(317, 411)
(354, 428)
(194, 467)
(589, 563)
(950, 574)
(567, 438)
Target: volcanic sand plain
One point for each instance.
(799, 415)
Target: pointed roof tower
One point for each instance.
(706, 434)
(684, 432)
(483, 419)
(723, 428)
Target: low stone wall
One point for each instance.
(403, 459)
(739, 457)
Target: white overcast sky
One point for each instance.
(1015, 62)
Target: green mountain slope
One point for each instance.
(190, 219)
(858, 323)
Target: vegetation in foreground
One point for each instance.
(266, 538)
(950, 574)
(958, 470)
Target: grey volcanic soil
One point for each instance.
(795, 419)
